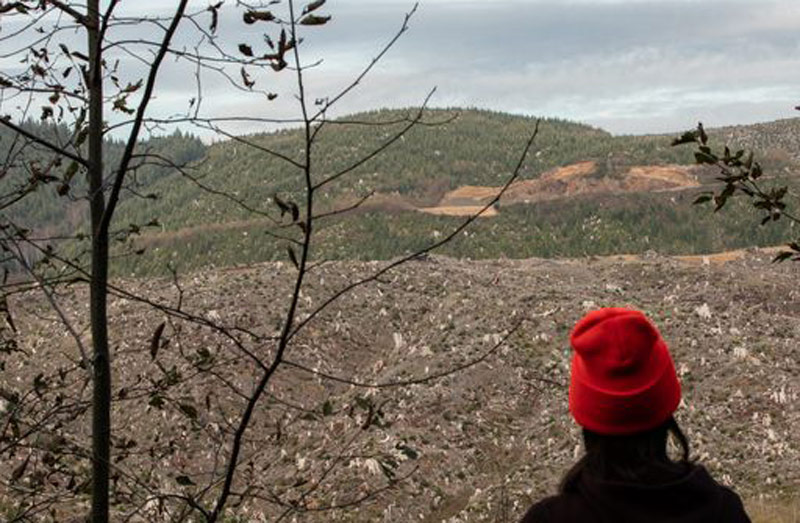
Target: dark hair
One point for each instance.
(640, 457)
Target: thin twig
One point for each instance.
(53, 303)
(410, 381)
(370, 66)
(361, 161)
(375, 276)
(41, 141)
(133, 137)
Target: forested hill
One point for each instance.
(50, 210)
(582, 191)
(475, 148)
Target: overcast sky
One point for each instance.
(629, 66)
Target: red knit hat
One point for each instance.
(623, 378)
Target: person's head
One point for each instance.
(623, 392)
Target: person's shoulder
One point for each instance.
(561, 508)
(733, 506)
(541, 512)
(730, 503)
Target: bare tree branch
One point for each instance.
(41, 141)
(515, 174)
(361, 161)
(370, 66)
(133, 138)
(51, 299)
(74, 13)
(411, 381)
(343, 210)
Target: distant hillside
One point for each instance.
(778, 138)
(49, 213)
(478, 148)
(582, 191)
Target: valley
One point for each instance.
(367, 399)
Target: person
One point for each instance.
(623, 393)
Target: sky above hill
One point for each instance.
(629, 66)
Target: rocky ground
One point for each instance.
(480, 444)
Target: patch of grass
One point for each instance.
(774, 511)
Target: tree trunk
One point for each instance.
(101, 366)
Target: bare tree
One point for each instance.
(39, 432)
(87, 97)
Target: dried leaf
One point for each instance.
(248, 82)
(72, 169)
(409, 452)
(293, 257)
(313, 6)
(278, 65)
(18, 472)
(19, 6)
(252, 16)
(702, 157)
(132, 88)
(701, 133)
(687, 137)
(155, 341)
(703, 199)
(282, 42)
(184, 481)
(121, 104)
(284, 207)
(189, 410)
(314, 20)
(214, 9)
(782, 256)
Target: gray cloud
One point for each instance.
(630, 66)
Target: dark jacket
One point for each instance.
(692, 498)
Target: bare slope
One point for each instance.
(490, 439)
(571, 180)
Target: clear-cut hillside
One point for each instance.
(571, 180)
(484, 442)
